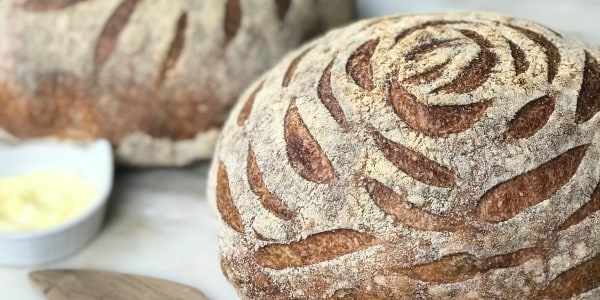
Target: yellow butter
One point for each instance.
(42, 199)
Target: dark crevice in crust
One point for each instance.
(531, 118)
(107, 41)
(575, 281)
(552, 53)
(509, 198)
(519, 58)
(175, 49)
(463, 266)
(233, 19)
(592, 206)
(47, 5)
(415, 164)
(413, 217)
(225, 205)
(304, 153)
(359, 65)
(326, 96)
(408, 32)
(289, 74)
(418, 51)
(247, 109)
(588, 101)
(258, 187)
(314, 249)
(428, 76)
(478, 71)
(433, 120)
(282, 8)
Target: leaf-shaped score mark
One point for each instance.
(282, 7)
(233, 19)
(258, 187)
(289, 74)
(175, 49)
(592, 206)
(415, 164)
(509, 198)
(316, 248)
(325, 93)
(359, 65)
(519, 58)
(225, 204)
(48, 5)
(588, 102)
(433, 120)
(304, 153)
(419, 51)
(531, 118)
(552, 53)
(107, 41)
(245, 113)
(478, 71)
(416, 218)
(463, 266)
(576, 281)
(428, 76)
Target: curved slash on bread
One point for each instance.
(107, 41)
(247, 109)
(282, 8)
(233, 19)
(520, 62)
(258, 187)
(394, 204)
(433, 120)
(225, 204)
(590, 207)
(509, 198)
(478, 71)
(578, 280)
(325, 94)
(289, 74)
(359, 65)
(551, 51)
(588, 101)
(429, 75)
(175, 49)
(463, 266)
(304, 153)
(415, 164)
(531, 118)
(314, 249)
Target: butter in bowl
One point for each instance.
(52, 199)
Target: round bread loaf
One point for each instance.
(156, 77)
(442, 156)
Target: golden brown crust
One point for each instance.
(442, 156)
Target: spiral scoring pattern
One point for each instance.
(452, 152)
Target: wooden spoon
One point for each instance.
(92, 285)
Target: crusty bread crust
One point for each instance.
(441, 156)
(167, 71)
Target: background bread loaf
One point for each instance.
(442, 156)
(156, 77)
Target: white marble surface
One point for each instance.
(159, 224)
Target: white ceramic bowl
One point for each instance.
(93, 162)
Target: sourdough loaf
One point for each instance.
(441, 156)
(156, 77)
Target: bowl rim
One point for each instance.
(99, 201)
